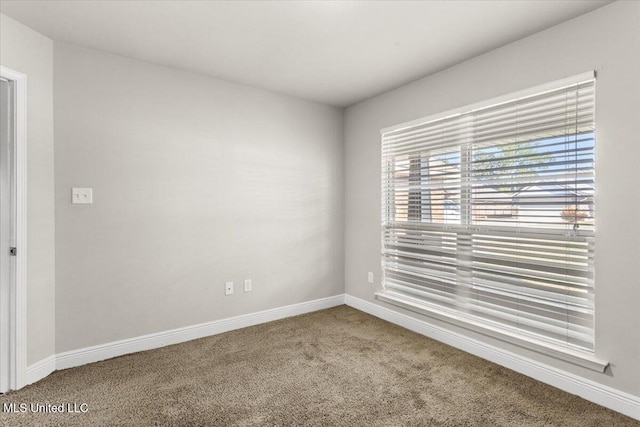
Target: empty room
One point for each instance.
(320, 213)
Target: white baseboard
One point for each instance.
(40, 369)
(606, 396)
(82, 356)
(96, 353)
(603, 395)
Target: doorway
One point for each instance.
(12, 229)
(7, 226)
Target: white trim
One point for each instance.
(576, 357)
(95, 353)
(40, 369)
(19, 293)
(82, 356)
(513, 96)
(603, 395)
(606, 396)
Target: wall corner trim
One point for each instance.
(96, 353)
(608, 397)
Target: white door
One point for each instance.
(7, 230)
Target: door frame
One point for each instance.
(16, 350)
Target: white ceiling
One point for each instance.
(335, 52)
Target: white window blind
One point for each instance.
(488, 217)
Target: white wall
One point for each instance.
(607, 40)
(30, 53)
(195, 182)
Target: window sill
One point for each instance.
(576, 357)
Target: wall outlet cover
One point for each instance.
(228, 288)
(81, 196)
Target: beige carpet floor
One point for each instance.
(336, 367)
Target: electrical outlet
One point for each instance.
(228, 288)
(81, 196)
(248, 286)
(370, 277)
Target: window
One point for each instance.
(489, 218)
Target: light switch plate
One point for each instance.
(82, 196)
